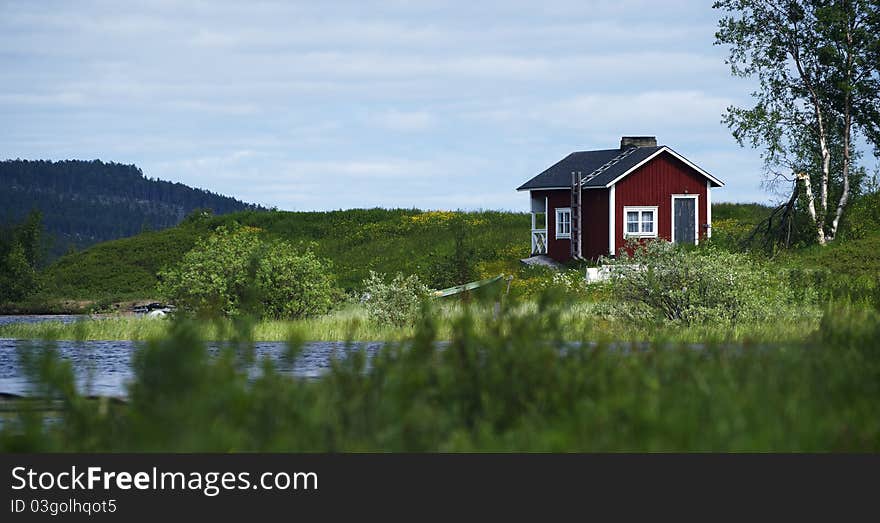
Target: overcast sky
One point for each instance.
(326, 105)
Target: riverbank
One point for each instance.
(578, 321)
(47, 307)
(40, 305)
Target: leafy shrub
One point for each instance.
(696, 285)
(294, 285)
(235, 270)
(396, 302)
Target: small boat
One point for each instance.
(458, 289)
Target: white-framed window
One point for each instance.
(640, 222)
(563, 222)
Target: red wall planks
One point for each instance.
(595, 223)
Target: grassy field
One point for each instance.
(356, 241)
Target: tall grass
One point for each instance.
(508, 384)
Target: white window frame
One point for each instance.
(640, 210)
(560, 235)
(696, 198)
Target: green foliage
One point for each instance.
(696, 285)
(396, 302)
(20, 250)
(235, 270)
(514, 386)
(863, 217)
(294, 283)
(18, 278)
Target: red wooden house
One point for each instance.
(590, 202)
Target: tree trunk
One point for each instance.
(818, 218)
(811, 207)
(844, 195)
(826, 172)
(847, 129)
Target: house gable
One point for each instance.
(629, 169)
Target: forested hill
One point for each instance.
(87, 202)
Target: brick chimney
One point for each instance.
(637, 141)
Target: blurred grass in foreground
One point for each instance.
(514, 383)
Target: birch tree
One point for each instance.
(816, 62)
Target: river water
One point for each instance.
(104, 367)
(6, 319)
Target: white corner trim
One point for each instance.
(696, 198)
(639, 208)
(580, 217)
(673, 153)
(611, 215)
(709, 208)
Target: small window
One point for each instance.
(563, 223)
(641, 221)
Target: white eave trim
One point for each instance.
(562, 188)
(673, 153)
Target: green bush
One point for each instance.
(20, 249)
(696, 285)
(396, 302)
(294, 285)
(863, 215)
(235, 270)
(18, 278)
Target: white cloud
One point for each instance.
(359, 103)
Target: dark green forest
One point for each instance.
(88, 202)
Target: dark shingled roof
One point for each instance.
(597, 168)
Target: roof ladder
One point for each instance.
(609, 163)
(576, 193)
